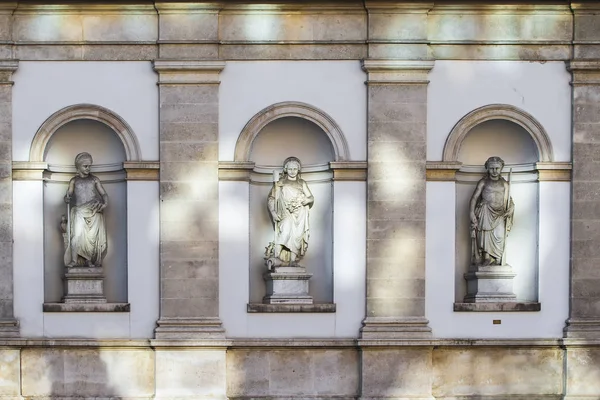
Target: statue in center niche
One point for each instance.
(491, 212)
(289, 202)
(86, 231)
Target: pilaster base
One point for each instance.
(9, 328)
(584, 328)
(395, 328)
(84, 285)
(287, 285)
(489, 284)
(189, 328)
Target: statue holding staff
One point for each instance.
(289, 202)
(491, 212)
(86, 231)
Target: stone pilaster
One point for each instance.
(397, 115)
(584, 314)
(189, 109)
(9, 326)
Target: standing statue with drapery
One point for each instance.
(289, 202)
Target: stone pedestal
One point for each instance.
(490, 284)
(84, 285)
(287, 285)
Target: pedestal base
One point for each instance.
(84, 285)
(490, 284)
(287, 285)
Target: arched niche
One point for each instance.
(521, 142)
(282, 136)
(503, 112)
(111, 142)
(244, 144)
(85, 112)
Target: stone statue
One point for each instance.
(289, 202)
(491, 212)
(86, 199)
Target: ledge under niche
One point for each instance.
(87, 307)
(498, 307)
(291, 308)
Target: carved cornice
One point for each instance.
(585, 8)
(7, 68)
(349, 170)
(500, 9)
(28, 171)
(446, 171)
(554, 171)
(142, 170)
(235, 170)
(397, 71)
(184, 72)
(584, 72)
(442, 170)
(83, 8)
(341, 7)
(399, 8)
(188, 8)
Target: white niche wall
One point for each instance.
(108, 155)
(336, 252)
(537, 246)
(132, 259)
(278, 140)
(515, 146)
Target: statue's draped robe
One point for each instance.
(292, 232)
(88, 233)
(491, 225)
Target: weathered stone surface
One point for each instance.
(278, 51)
(190, 373)
(488, 371)
(87, 372)
(396, 373)
(583, 371)
(10, 368)
(585, 232)
(283, 373)
(189, 193)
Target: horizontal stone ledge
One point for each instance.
(291, 308)
(87, 307)
(297, 343)
(498, 307)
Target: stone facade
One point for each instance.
(394, 47)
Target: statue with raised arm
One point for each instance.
(491, 212)
(86, 200)
(289, 202)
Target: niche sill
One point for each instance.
(498, 307)
(87, 307)
(291, 308)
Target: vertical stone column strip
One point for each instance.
(189, 110)
(584, 314)
(9, 326)
(397, 116)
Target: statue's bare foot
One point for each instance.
(71, 264)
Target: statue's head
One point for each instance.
(291, 163)
(494, 166)
(83, 158)
(291, 167)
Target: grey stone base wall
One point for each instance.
(300, 369)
